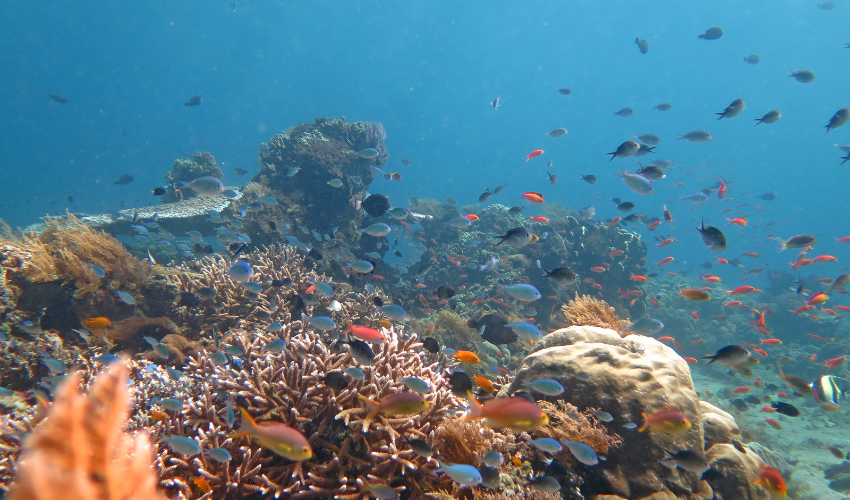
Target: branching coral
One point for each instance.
(67, 249)
(588, 311)
(565, 421)
(81, 452)
(458, 441)
(289, 387)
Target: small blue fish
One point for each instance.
(394, 312)
(526, 331)
(252, 287)
(55, 366)
(377, 229)
(161, 350)
(218, 358)
(276, 346)
(233, 350)
(240, 271)
(362, 267)
(548, 445)
(229, 415)
(368, 153)
(322, 323)
(268, 200)
(292, 171)
(183, 445)
(173, 373)
(324, 289)
(493, 459)
(335, 183)
(416, 385)
(106, 358)
(97, 271)
(464, 475)
(355, 373)
(220, 455)
(274, 327)
(645, 326)
(581, 451)
(547, 386)
(171, 404)
(522, 292)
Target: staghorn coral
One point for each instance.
(66, 249)
(81, 452)
(12, 433)
(588, 311)
(289, 387)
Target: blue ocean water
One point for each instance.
(427, 72)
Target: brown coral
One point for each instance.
(67, 249)
(588, 311)
(81, 452)
(458, 441)
(289, 387)
(565, 421)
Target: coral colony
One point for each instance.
(280, 340)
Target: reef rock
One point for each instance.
(737, 473)
(625, 377)
(718, 426)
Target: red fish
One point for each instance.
(652, 226)
(533, 197)
(740, 221)
(741, 390)
(665, 260)
(598, 269)
(616, 253)
(694, 314)
(832, 364)
(817, 299)
(771, 480)
(474, 217)
(691, 360)
(771, 341)
(722, 190)
(665, 242)
(534, 154)
(825, 258)
(638, 277)
(539, 218)
(365, 333)
(773, 423)
(844, 239)
(743, 290)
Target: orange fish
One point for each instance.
(98, 323)
(652, 226)
(739, 221)
(692, 360)
(365, 333)
(831, 364)
(692, 294)
(539, 218)
(665, 242)
(278, 437)
(771, 480)
(533, 197)
(722, 189)
(669, 420)
(483, 383)
(665, 260)
(467, 357)
(741, 290)
(825, 258)
(399, 403)
(203, 484)
(694, 315)
(598, 269)
(616, 253)
(615, 221)
(637, 277)
(515, 413)
(471, 217)
(773, 423)
(817, 299)
(771, 341)
(741, 390)
(534, 154)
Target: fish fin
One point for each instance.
(248, 425)
(476, 409)
(373, 406)
(645, 424)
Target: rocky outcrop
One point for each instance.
(628, 378)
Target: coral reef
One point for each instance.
(589, 311)
(289, 387)
(566, 421)
(81, 452)
(322, 151)
(187, 170)
(67, 249)
(624, 377)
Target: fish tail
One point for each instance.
(782, 245)
(373, 406)
(645, 424)
(476, 409)
(248, 425)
